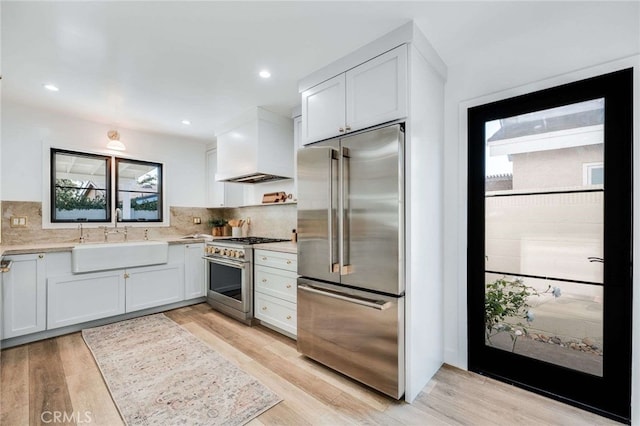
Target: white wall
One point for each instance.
(526, 62)
(25, 129)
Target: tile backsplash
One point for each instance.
(275, 221)
(181, 224)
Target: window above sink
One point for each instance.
(87, 188)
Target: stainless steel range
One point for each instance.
(229, 275)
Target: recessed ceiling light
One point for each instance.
(186, 122)
(51, 87)
(265, 74)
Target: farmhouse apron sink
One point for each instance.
(105, 256)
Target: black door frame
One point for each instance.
(609, 395)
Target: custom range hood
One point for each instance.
(255, 147)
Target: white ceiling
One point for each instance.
(149, 65)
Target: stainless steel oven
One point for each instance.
(230, 275)
(230, 280)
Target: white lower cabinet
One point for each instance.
(41, 293)
(275, 289)
(77, 298)
(151, 286)
(73, 299)
(194, 285)
(24, 295)
(276, 282)
(276, 312)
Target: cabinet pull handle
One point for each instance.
(264, 258)
(126, 275)
(341, 130)
(41, 256)
(288, 285)
(347, 128)
(288, 262)
(288, 316)
(264, 280)
(264, 308)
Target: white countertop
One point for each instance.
(284, 246)
(68, 246)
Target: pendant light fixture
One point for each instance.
(114, 141)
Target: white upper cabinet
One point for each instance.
(297, 133)
(323, 110)
(221, 194)
(215, 189)
(372, 93)
(377, 90)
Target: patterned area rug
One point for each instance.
(159, 374)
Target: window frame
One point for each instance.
(587, 172)
(617, 89)
(52, 185)
(159, 191)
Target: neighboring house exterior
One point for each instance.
(500, 182)
(553, 149)
(556, 224)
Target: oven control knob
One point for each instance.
(230, 253)
(240, 254)
(236, 253)
(226, 252)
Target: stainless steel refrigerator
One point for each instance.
(351, 256)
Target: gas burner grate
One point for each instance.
(252, 240)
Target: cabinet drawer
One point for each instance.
(276, 259)
(276, 312)
(276, 282)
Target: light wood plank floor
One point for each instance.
(60, 375)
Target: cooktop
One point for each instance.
(249, 240)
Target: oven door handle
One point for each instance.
(239, 265)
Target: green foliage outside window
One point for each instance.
(146, 205)
(507, 301)
(71, 197)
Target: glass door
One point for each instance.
(550, 242)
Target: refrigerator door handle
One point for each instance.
(333, 266)
(370, 303)
(345, 267)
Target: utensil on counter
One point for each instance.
(274, 197)
(235, 223)
(236, 227)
